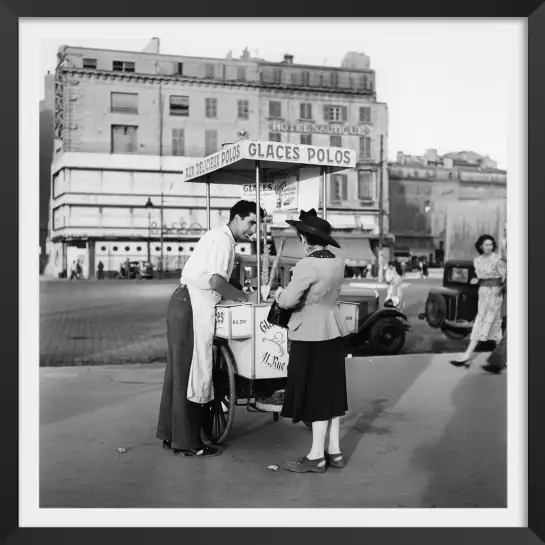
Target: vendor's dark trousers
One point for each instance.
(180, 420)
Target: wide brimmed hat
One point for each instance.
(310, 223)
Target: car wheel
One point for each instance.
(436, 310)
(387, 336)
(454, 334)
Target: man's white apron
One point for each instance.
(203, 303)
(200, 388)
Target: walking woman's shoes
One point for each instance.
(304, 465)
(460, 363)
(334, 460)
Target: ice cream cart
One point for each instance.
(250, 354)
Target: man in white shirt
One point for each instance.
(187, 385)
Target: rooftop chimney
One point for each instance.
(288, 59)
(153, 46)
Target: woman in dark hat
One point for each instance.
(316, 383)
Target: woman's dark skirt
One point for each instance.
(316, 383)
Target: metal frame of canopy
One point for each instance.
(245, 162)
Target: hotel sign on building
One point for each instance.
(311, 128)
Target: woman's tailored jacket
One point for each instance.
(312, 293)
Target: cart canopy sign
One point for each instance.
(272, 152)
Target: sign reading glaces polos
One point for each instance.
(295, 153)
(278, 152)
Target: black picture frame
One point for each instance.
(10, 13)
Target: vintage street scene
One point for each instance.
(274, 276)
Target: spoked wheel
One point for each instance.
(220, 412)
(387, 336)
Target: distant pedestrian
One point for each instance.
(78, 270)
(425, 272)
(394, 278)
(73, 270)
(100, 270)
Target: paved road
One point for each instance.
(113, 322)
(419, 433)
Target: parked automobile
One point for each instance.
(383, 328)
(137, 270)
(453, 307)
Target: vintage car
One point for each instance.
(453, 307)
(137, 270)
(383, 328)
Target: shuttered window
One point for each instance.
(210, 142)
(178, 143)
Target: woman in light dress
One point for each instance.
(491, 271)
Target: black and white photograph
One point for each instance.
(273, 271)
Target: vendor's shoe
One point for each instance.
(335, 460)
(492, 369)
(204, 450)
(272, 403)
(304, 465)
(166, 445)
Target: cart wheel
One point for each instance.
(220, 412)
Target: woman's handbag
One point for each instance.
(279, 316)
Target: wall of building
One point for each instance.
(88, 126)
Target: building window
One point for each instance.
(364, 83)
(306, 77)
(209, 71)
(306, 139)
(275, 137)
(335, 113)
(275, 109)
(306, 110)
(179, 105)
(336, 141)
(334, 79)
(123, 66)
(277, 75)
(179, 68)
(338, 187)
(124, 139)
(90, 64)
(365, 114)
(210, 142)
(243, 109)
(365, 147)
(241, 73)
(126, 103)
(211, 108)
(178, 142)
(366, 189)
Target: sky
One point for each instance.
(446, 82)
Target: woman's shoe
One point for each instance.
(461, 363)
(304, 465)
(335, 460)
(166, 445)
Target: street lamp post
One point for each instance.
(149, 206)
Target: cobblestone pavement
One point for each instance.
(109, 322)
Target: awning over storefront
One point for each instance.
(355, 250)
